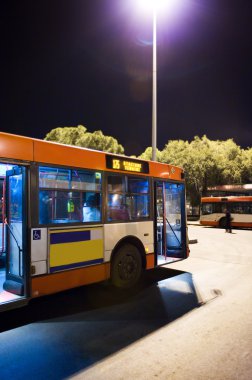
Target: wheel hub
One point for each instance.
(127, 267)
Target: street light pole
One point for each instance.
(155, 6)
(154, 86)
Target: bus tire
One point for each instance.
(126, 267)
(222, 223)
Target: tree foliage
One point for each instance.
(147, 154)
(207, 163)
(66, 135)
(79, 136)
(246, 158)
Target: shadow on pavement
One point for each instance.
(67, 332)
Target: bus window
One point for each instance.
(54, 178)
(116, 184)
(59, 207)
(248, 208)
(86, 180)
(139, 206)
(138, 197)
(207, 208)
(128, 198)
(77, 204)
(117, 207)
(1, 199)
(238, 208)
(138, 185)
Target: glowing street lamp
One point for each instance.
(156, 6)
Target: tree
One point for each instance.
(147, 154)
(175, 152)
(246, 169)
(97, 140)
(180, 153)
(228, 158)
(66, 135)
(79, 136)
(208, 163)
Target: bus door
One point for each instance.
(170, 224)
(16, 227)
(2, 213)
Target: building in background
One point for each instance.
(228, 190)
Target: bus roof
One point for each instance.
(26, 149)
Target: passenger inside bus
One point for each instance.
(45, 206)
(119, 213)
(91, 209)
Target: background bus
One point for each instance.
(74, 216)
(213, 211)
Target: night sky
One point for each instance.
(89, 62)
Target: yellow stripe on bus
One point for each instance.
(68, 253)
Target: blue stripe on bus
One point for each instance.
(69, 237)
(75, 265)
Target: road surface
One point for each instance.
(189, 320)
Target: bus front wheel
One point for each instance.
(222, 223)
(126, 267)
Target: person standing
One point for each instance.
(228, 222)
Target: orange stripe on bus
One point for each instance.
(209, 223)
(150, 261)
(16, 147)
(53, 283)
(233, 224)
(57, 282)
(165, 171)
(67, 155)
(241, 224)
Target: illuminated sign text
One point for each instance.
(118, 163)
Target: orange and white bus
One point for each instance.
(73, 216)
(213, 211)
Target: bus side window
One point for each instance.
(117, 208)
(65, 197)
(128, 198)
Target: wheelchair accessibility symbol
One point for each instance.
(36, 234)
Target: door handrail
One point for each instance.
(16, 241)
(173, 231)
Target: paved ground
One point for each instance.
(189, 320)
(213, 341)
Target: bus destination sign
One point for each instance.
(126, 164)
